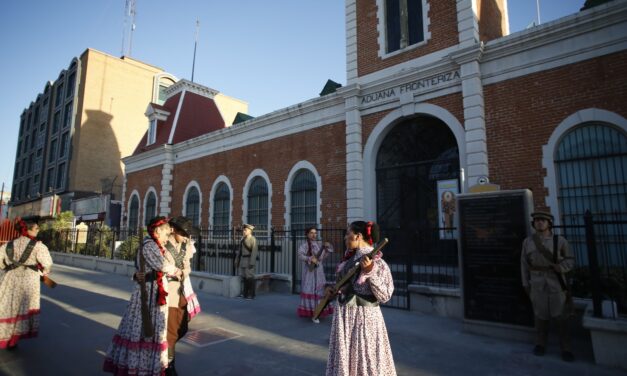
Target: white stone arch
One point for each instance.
(128, 209)
(548, 150)
(225, 180)
(288, 184)
(152, 190)
(194, 184)
(385, 126)
(255, 173)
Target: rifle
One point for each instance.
(48, 281)
(147, 329)
(351, 272)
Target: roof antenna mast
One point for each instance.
(129, 27)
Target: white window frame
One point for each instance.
(382, 30)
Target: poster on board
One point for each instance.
(447, 208)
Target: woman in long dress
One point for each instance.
(131, 351)
(359, 343)
(311, 253)
(22, 260)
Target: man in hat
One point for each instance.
(246, 259)
(545, 258)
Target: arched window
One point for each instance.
(221, 207)
(133, 214)
(258, 203)
(192, 205)
(303, 194)
(151, 207)
(591, 169)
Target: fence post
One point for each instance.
(294, 252)
(595, 278)
(114, 231)
(271, 249)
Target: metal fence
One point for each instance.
(424, 256)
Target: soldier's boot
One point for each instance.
(563, 329)
(243, 288)
(250, 292)
(542, 333)
(253, 287)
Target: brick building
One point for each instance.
(437, 93)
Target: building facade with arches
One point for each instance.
(437, 92)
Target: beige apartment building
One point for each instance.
(72, 137)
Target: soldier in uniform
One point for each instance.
(246, 259)
(545, 258)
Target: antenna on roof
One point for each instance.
(129, 27)
(538, 10)
(195, 44)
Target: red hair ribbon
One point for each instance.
(369, 232)
(23, 228)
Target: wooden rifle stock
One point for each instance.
(347, 277)
(48, 281)
(147, 328)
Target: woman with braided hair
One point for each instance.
(21, 262)
(359, 342)
(132, 352)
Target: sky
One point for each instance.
(271, 54)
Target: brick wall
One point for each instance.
(522, 113)
(443, 29)
(323, 147)
(141, 181)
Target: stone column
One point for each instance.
(166, 182)
(354, 157)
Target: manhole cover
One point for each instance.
(206, 337)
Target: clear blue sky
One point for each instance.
(272, 54)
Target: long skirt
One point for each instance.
(311, 292)
(359, 343)
(129, 353)
(19, 306)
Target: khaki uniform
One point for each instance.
(545, 291)
(247, 258)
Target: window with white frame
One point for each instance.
(221, 208)
(133, 214)
(192, 205)
(151, 207)
(303, 194)
(152, 132)
(404, 23)
(257, 214)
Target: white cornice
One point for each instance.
(151, 158)
(185, 85)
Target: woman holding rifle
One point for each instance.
(132, 350)
(311, 253)
(359, 342)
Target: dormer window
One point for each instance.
(402, 24)
(152, 132)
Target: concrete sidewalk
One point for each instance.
(261, 337)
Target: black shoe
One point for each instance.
(568, 356)
(538, 350)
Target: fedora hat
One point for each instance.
(184, 226)
(246, 225)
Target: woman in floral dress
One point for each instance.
(21, 262)
(131, 352)
(359, 344)
(311, 254)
